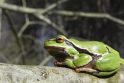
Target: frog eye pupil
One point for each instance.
(60, 40)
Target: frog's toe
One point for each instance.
(77, 70)
(88, 70)
(56, 63)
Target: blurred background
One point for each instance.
(26, 24)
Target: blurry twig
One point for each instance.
(49, 8)
(1, 1)
(46, 60)
(19, 41)
(26, 15)
(2, 56)
(26, 21)
(48, 21)
(28, 10)
(66, 13)
(25, 26)
(0, 24)
(90, 15)
(36, 12)
(20, 8)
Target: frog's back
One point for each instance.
(93, 46)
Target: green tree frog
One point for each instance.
(92, 57)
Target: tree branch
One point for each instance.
(24, 27)
(26, 15)
(28, 10)
(1, 1)
(37, 13)
(20, 8)
(43, 74)
(48, 21)
(90, 15)
(66, 13)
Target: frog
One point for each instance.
(92, 57)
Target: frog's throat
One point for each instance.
(58, 53)
(53, 50)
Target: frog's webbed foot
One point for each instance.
(57, 63)
(88, 70)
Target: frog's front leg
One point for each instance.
(67, 62)
(81, 61)
(84, 64)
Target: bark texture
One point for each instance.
(42, 74)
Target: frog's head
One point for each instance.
(60, 48)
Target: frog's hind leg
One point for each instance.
(96, 72)
(105, 73)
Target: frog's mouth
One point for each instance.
(58, 52)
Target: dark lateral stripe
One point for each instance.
(80, 49)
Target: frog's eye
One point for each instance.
(60, 39)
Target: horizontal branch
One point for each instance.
(66, 13)
(90, 15)
(20, 8)
(43, 74)
(37, 13)
(28, 10)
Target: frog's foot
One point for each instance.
(88, 70)
(57, 63)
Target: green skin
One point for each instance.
(91, 57)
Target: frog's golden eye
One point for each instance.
(60, 39)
